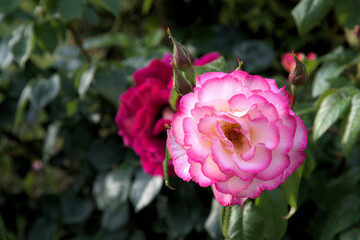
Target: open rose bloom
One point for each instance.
(236, 133)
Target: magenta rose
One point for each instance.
(236, 133)
(144, 109)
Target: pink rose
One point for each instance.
(236, 133)
(144, 110)
(288, 62)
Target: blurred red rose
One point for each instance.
(144, 109)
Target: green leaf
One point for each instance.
(154, 38)
(8, 5)
(138, 235)
(291, 189)
(244, 223)
(21, 43)
(21, 105)
(50, 6)
(308, 13)
(212, 223)
(144, 189)
(112, 189)
(50, 141)
(146, 6)
(110, 82)
(218, 65)
(324, 96)
(85, 80)
(70, 9)
(303, 108)
(327, 194)
(91, 16)
(173, 98)
(344, 214)
(43, 229)
(331, 109)
(347, 13)
(76, 209)
(113, 219)
(309, 163)
(352, 234)
(310, 65)
(108, 40)
(46, 35)
(112, 6)
(166, 170)
(43, 91)
(181, 217)
(273, 206)
(6, 56)
(104, 153)
(328, 77)
(351, 128)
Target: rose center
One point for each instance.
(233, 134)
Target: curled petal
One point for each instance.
(198, 176)
(261, 160)
(232, 186)
(198, 149)
(227, 199)
(200, 80)
(218, 88)
(253, 82)
(179, 158)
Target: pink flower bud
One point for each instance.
(298, 75)
(37, 165)
(288, 62)
(311, 56)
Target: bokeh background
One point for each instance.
(64, 170)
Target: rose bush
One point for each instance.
(236, 133)
(288, 62)
(144, 109)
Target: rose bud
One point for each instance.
(298, 75)
(288, 62)
(181, 85)
(183, 59)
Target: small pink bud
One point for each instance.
(311, 56)
(37, 165)
(288, 62)
(298, 75)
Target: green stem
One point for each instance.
(165, 169)
(225, 220)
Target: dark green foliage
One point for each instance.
(65, 172)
